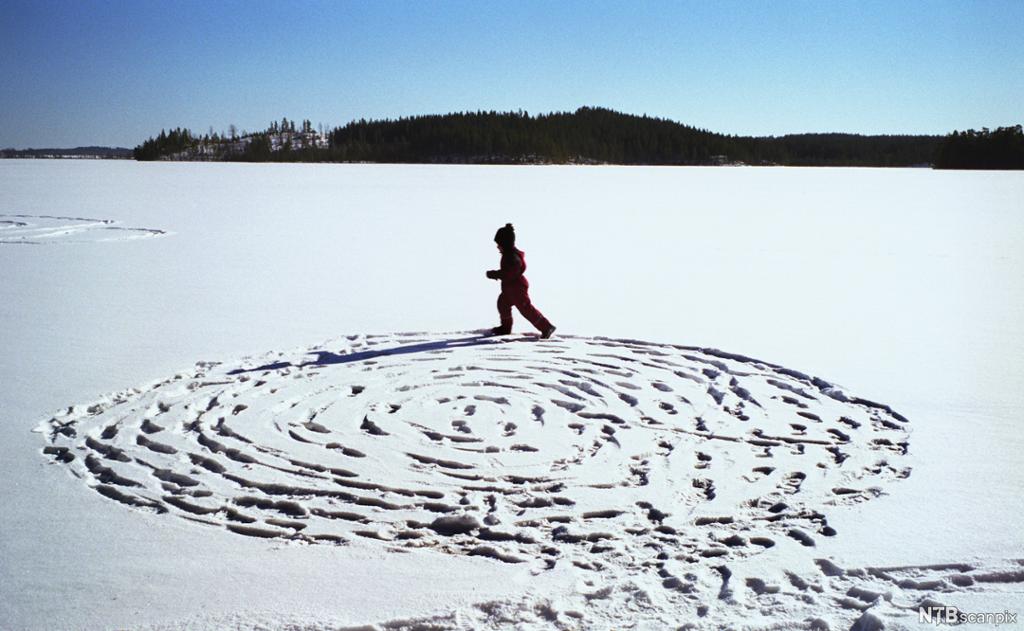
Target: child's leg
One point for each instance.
(531, 313)
(505, 310)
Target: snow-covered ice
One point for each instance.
(225, 426)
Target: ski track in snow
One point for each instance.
(678, 482)
(51, 229)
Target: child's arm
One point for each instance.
(511, 267)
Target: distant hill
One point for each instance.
(590, 135)
(107, 153)
(597, 135)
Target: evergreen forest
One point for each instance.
(590, 135)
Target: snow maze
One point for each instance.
(641, 466)
(50, 229)
(496, 446)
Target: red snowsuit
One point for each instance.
(514, 291)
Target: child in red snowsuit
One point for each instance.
(514, 286)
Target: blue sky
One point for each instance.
(113, 73)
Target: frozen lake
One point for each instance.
(904, 285)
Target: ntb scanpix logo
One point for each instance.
(952, 615)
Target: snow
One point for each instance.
(899, 286)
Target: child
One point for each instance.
(514, 287)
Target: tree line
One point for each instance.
(1002, 148)
(588, 135)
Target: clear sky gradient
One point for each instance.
(80, 72)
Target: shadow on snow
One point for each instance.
(327, 358)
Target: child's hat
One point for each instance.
(505, 236)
